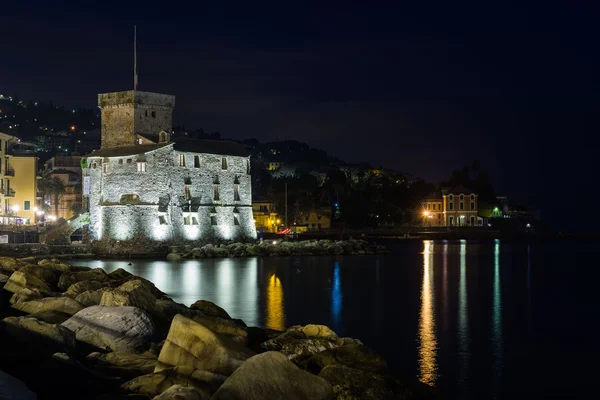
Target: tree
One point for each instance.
(52, 187)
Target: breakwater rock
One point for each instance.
(73, 332)
(268, 248)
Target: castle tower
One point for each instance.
(125, 114)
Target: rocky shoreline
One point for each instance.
(73, 332)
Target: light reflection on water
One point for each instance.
(427, 331)
(434, 309)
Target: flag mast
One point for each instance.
(135, 68)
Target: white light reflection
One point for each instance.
(336, 298)
(226, 292)
(427, 330)
(463, 315)
(160, 273)
(497, 316)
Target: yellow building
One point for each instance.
(451, 207)
(316, 219)
(18, 181)
(265, 217)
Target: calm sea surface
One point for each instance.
(478, 319)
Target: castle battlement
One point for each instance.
(131, 97)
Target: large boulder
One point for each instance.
(12, 388)
(3, 280)
(77, 288)
(54, 264)
(156, 383)
(119, 329)
(44, 274)
(294, 344)
(193, 344)
(51, 316)
(26, 295)
(91, 297)
(132, 293)
(123, 364)
(22, 280)
(60, 304)
(120, 275)
(38, 336)
(271, 375)
(227, 327)
(178, 392)
(320, 331)
(210, 309)
(9, 264)
(352, 355)
(353, 383)
(69, 278)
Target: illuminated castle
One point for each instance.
(143, 185)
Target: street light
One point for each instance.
(15, 208)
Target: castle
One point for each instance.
(142, 185)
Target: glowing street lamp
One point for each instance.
(426, 213)
(15, 208)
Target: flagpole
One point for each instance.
(135, 74)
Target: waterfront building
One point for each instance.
(451, 207)
(142, 185)
(316, 219)
(265, 217)
(68, 170)
(18, 181)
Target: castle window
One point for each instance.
(129, 161)
(216, 192)
(93, 165)
(182, 160)
(120, 161)
(236, 192)
(139, 141)
(186, 220)
(146, 112)
(153, 114)
(248, 167)
(213, 220)
(186, 192)
(224, 163)
(105, 168)
(196, 161)
(236, 220)
(141, 166)
(194, 221)
(162, 220)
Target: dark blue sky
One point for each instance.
(422, 88)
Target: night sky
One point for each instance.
(422, 88)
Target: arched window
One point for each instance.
(130, 199)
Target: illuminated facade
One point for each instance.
(451, 207)
(141, 185)
(18, 181)
(265, 217)
(68, 170)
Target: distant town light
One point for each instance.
(72, 127)
(426, 213)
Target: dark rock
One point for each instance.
(226, 327)
(120, 364)
(119, 329)
(133, 293)
(22, 280)
(193, 344)
(9, 265)
(37, 337)
(44, 274)
(210, 309)
(77, 288)
(60, 304)
(26, 295)
(54, 265)
(91, 297)
(352, 383)
(51, 316)
(353, 355)
(156, 383)
(12, 388)
(69, 278)
(178, 392)
(272, 376)
(296, 346)
(120, 274)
